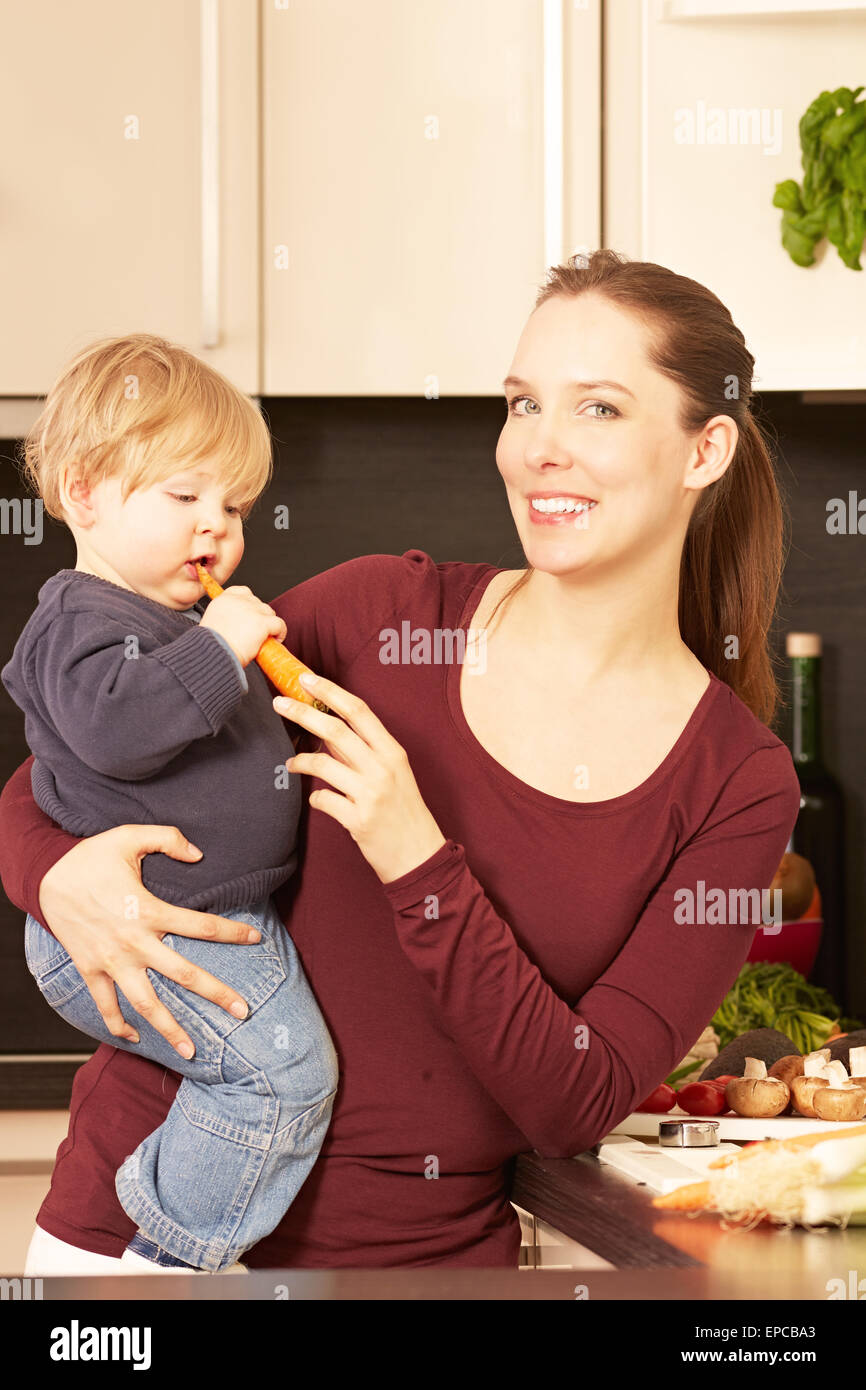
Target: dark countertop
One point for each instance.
(613, 1216)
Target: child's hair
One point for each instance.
(141, 408)
(731, 566)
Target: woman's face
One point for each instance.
(590, 418)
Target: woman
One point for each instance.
(500, 853)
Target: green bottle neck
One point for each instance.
(806, 710)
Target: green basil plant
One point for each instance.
(832, 199)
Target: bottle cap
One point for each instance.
(803, 644)
(688, 1134)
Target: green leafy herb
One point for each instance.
(770, 994)
(832, 200)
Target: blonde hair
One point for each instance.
(140, 408)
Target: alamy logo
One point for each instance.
(20, 1289)
(729, 125)
(419, 646)
(22, 517)
(77, 1343)
(713, 906)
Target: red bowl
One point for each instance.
(796, 942)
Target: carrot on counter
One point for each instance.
(276, 661)
(693, 1196)
(795, 1144)
(804, 1180)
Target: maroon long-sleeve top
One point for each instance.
(523, 988)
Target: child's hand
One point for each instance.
(244, 621)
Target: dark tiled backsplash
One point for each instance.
(368, 475)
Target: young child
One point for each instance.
(143, 703)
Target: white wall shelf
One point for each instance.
(739, 9)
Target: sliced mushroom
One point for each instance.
(835, 1074)
(755, 1069)
(815, 1062)
(857, 1064)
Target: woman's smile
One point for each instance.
(561, 510)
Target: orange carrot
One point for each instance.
(696, 1196)
(693, 1196)
(276, 661)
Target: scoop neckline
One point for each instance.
(614, 804)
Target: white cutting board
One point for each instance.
(734, 1127)
(663, 1170)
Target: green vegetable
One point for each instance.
(832, 201)
(677, 1076)
(774, 995)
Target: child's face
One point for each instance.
(151, 539)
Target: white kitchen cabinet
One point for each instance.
(678, 194)
(129, 196)
(419, 174)
(543, 1247)
(421, 165)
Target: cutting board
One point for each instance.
(734, 1127)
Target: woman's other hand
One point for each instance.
(376, 796)
(96, 905)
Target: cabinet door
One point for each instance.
(527, 1238)
(102, 227)
(405, 185)
(553, 1250)
(701, 120)
(543, 1247)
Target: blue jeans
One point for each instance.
(250, 1115)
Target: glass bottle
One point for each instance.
(819, 831)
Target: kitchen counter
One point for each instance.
(657, 1255)
(703, 1285)
(654, 1254)
(614, 1217)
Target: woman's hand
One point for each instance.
(96, 905)
(381, 806)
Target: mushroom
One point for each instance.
(839, 1098)
(755, 1094)
(788, 1067)
(857, 1064)
(803, 1087)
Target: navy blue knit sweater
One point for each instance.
(135, 713)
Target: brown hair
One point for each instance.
(733, 554)
(139, 408)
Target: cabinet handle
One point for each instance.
(553, 152)
(210, 151)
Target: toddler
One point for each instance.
(143, 703)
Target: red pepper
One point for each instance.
(662, 1099)
(702, 1098)
(721, 1081)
